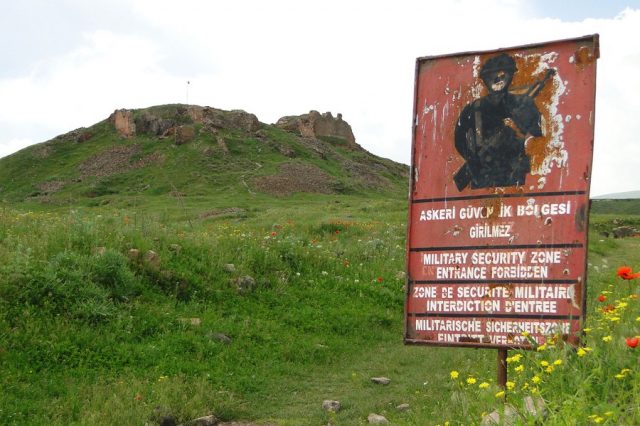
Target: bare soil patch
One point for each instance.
(296, 177)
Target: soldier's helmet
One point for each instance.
(501, 62)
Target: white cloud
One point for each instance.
(286, 57)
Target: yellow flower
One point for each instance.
(624, 371)
(581, 352)
(609, 413)
(607, 338)
(557, 362)
(598, 419)
(621, 305)
(614, 319)
(500, 394)
(586, 330)
(510, 385)
(549, 369)
(619, 376)
(637, 318)
(536, 379)
(454, 374)
(520, 368)
(483, 385)
(542, 347)
(471, 380)
(544, 363)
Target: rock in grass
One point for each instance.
(403, 407)
(381, 380)
(495, 418)
(535, 406)
(203, 421)
(190, 321)
(244, 284)
(152, 259)
(331, 405)
(229, 267)
(220, 337)
(377, 419)
(133, 254)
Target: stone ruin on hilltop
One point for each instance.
(314, 125)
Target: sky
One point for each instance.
(70, 63)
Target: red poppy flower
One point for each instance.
(273, 234)
(337, 231)
(632, 342)
(379, 279)
(609, 308)
(626, 273)
(602, 298)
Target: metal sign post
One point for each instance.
(498, 214)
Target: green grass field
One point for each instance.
(91, 333)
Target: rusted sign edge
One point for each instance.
(595, 38)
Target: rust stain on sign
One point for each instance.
(501, 158)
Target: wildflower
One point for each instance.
(138, 397)
(622, 305)
(557, 362)
(515, 358)
(614, 319)
(608, 308)
(483, 385)
(544, 363)
(379, 279)
(274, 233)
(549, 369)
(581, 352)
(471, 380)
(608, 413)
(542, 347)
(619, 376)
(586, 330)
(607, 338)
(500, 394)
(454, 374)
(337, 232)
(602, 298)
(632, 342)
(510, 385)
(626, 273)
(520, 368)
(536, 379)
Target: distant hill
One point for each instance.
(194, 151)
(629, 195)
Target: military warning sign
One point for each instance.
(498, 215)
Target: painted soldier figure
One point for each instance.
(491, 131)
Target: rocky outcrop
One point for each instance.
(175, 120)
(122, 120)
(219, 119)
(315, 125)
(184, 134)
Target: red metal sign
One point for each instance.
(498, 215)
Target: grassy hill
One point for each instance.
(223, 157)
